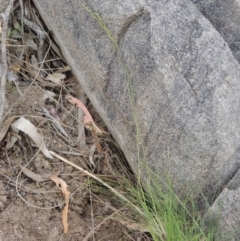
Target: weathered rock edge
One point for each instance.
(223, 215)
(224, 16)
(184, 76)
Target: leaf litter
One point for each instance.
(26, 126)
(37, 120)
(63, 186)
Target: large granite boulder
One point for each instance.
(224, 213)
(225, 17)
(176, 70)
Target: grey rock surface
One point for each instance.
(224, 213)
(184, 78)
(225, 17)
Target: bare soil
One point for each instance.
(32, 210)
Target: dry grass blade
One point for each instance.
(64, 69)
(132, 225)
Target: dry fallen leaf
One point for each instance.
(28, 41)
(11, 77)
(13, 137)
(56, 77)
(55, 114)
(63, 186)
(16, 66)
(91, 153)
(15, 34)
(88, 120)
(63, 69)
(34, 63)
(16, 24)
(26, 126)
(49, 95)
(32, 175)
(5, 126)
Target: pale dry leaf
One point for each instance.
(27, 127)
(15, 34)
(106, 206)
(13, 138)
(16, 66)
(56, 77)
(88, 120)
(35, 27)
(16, 24)
(63, 69)
(28, 40)
(55, 114)
(11, 142)
(27, 11)
(11, 77)
(34, 62)
(32, 175)
(91, 152)
(61, 184)
(49, 95)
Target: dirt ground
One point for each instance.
(31, 209)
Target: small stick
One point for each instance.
(3, 63)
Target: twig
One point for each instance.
(92, 218)
(3, 64)
(81, 139)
